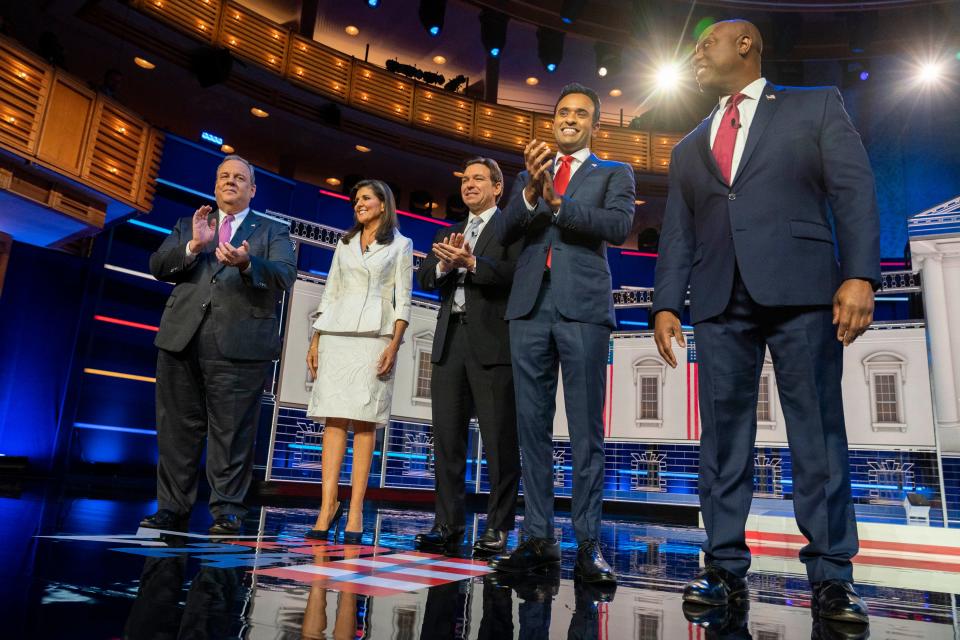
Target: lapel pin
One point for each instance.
(771, 96)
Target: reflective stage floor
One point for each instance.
(76, 567)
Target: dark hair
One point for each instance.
(576, 87)
(496, 175)
(388, 219)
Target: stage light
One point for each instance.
(226, 148)
(373, 4)
(571, 10)
(333, 182)
(431, 15)
(608, 59)
(930, 72)
(258, 112)
(211, 66)
(532, 81)
(352, 30)
(668, 76)
(143, 63)
(439, 60)
(615, 93)
(493, 31)
(361, 148)
(550, 48)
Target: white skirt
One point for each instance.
(347, 385)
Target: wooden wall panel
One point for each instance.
(66, 124)
(24, 88)
(319, 68)
(115, 157)
(151, 168)
(381, 92)
(661, 146)
(443, 112)
(624, 145)
(253, 37)
(502, 126)
(198, 17)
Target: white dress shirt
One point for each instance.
(484, 219)
(747, 109)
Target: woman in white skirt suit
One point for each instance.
(363, 313)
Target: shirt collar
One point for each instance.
(580, 156)
(753, 91)
(237, 217)
(484, 215)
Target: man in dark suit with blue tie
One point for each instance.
(753, 191)
(567, 206)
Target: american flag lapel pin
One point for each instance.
(771, 96)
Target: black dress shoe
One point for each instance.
(837, 600)
(492, 541)
(533, 554)
(530, 587)
(720, 622)
(591, 567)
(441, 536)
(226, 524)
(716, 587)
(824, 629)
(166, 519)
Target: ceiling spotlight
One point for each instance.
(352, 30)
(225, 148)
(373, 4)
(493, 31)
(260, 113)
(930, 72)
(362, 149)
(333, 182)
(532, 81)
(431, 15)
(439, 60)
(143, 63)
(608, 59)
(668, 76)
(550, 48)
(571, 10)
(616, 93)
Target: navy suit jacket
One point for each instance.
(597, 209)
(803, 167)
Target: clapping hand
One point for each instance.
(234, 256)
(454, 253)
(204, 229)
(537, 158)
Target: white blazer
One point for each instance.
(367, 293)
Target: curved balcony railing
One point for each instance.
(344, 79)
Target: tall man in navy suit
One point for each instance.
(753, 191)
(566, 206)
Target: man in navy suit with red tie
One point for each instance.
(753, 192)
(566, 207)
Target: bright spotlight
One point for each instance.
(930, 72)
(602, 72)
(668, 77)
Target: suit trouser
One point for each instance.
(539, 343)
(807, 362)
(203, 395)
(460, 383)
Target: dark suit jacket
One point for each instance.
(597, 209)
(486, 293)
(242, 306)
(803, 159)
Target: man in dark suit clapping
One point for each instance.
(471, 362)
(566, 207)
(218, 335)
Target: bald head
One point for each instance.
(728, 56)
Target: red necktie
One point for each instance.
(560, 182)
(726, 140)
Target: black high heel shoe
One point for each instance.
(324, 534)
(352, 537)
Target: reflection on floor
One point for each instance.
(77, 567)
